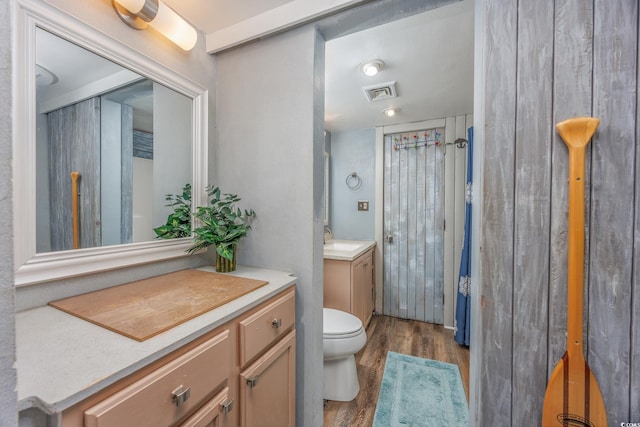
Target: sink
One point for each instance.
(342, 246)
(346, 250)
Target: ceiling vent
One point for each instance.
(380, 91)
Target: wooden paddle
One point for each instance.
(573, 397)
(75, 176)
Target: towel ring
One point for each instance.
(353, 181)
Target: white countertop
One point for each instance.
(346, 250)
(62, 359)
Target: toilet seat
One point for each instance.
(339, 325)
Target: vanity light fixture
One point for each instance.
(390, 112)
(140, 13)
(372, 68)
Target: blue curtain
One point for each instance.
(463, 304)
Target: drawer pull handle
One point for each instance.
(227, 406)
(276, 323)
(180, 395)
(252, 382)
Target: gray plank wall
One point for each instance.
(546, 61)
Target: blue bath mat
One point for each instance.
(420, 392)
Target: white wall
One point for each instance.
(143, 200)
(43, 214)
(269, 151)
(172, 119)
(8, 416)
(352, 151)
(110, 160)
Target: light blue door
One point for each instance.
(413, 286)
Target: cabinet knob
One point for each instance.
(276, 323)
(227, 406)
(252, 382)
(180, 395)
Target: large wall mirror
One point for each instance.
(106, 136)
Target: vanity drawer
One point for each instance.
(213, 413)
(266, 326)
(168, 393)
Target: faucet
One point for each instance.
(327, 231)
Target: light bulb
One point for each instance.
(173, 27)
(390, 112)
(372, 68)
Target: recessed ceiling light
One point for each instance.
(372, 68)
(44, 77)
(390, 112)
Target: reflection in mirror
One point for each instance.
(127, 139)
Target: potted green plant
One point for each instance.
(179, 221)
(221, 224)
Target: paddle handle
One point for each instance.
(573, 397)
(576, 133)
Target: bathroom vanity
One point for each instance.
(231, 366)
(349, 277)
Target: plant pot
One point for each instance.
(224, 265)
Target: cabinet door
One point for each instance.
(362, 288)
(267, 387)
(337, 284)
(368, 287)
(213, 413)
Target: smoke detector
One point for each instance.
(380, 91)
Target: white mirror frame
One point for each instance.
(30, 267)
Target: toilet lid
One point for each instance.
(338, 322)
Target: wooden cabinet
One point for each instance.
(348, 285)
(242, 373)
(362, 299)
(168, 393)
(264, 327)
(213, 413)
(267, 360)
(267, 387)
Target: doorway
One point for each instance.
(414, 224)
(433, 81)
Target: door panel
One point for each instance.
(74, 146)
(414, 225)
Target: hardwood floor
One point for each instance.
(401, 336)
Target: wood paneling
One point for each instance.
(496, 262)
(74, 136)
(612, 215)
(126, 186)
(414, 211)
(532, 204)
(634, 374)
(572, 77)
(544, 62)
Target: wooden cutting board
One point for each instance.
(145, 308)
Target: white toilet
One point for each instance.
(343, 336)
